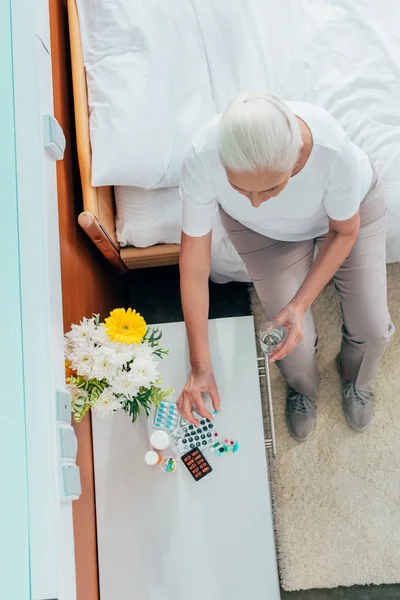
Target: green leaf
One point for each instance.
(96, 318)
(158, 394)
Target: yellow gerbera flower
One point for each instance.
(125, 326)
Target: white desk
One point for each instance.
(168, 537)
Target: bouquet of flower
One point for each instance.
(113, 365)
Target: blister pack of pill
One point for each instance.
(166, 416)
(192, 436)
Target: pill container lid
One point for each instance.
(151, 458)
(159, 439)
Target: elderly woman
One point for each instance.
(288, 181)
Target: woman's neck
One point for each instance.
(307, 146)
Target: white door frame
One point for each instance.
(14, 514)
(52, 563)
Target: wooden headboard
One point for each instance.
(98, 216)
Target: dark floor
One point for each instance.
(373, 592)
(155, 294)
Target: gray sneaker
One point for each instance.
(300, 415)
(357, 403)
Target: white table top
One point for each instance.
(168, 537)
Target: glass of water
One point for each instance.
(272, 336)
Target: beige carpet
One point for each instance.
(337, 496)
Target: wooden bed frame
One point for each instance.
(98, 216)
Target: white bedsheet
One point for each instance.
(252, 46)
(157, 72)
(148, 217)
(352, 67)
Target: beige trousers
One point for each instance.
(279, 268)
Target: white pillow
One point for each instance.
(148, 88)
(145, 218)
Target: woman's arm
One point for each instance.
(334, 251)
(195, 260)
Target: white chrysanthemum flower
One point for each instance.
(123, 353)
(105, 365)
(69, 347)
(125, 383)
(99, 336)
(106, 404)
(145, 371)
(82, 334)
(143, 350)
(82, 361)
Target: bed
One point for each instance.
(135, 115)
(98, 216)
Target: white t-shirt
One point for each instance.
(332, 183)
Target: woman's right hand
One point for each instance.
(200, 380)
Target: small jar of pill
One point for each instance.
(152, 458)
(168, 464)
(160, 440)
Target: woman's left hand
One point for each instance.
(292, 318)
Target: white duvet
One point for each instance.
(157, 71)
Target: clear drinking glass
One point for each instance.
(272, 336)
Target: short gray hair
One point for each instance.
(258, 132)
